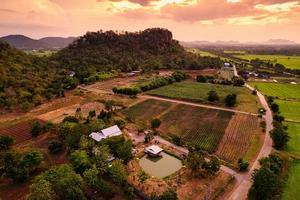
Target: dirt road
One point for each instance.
(241, 191)
(194, 104)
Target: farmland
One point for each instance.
(197, 92)
(291, 190)
(242, 130)
(202, 53)
(20, 132)
(199, 126)
(289, 109)
(229, 135)
(287, 97)
(292, 62)
(294, 132)
(145, 111)
(280, 90)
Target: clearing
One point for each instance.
(292, 62)
(289, 109)
(197, 92)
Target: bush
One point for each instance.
(212, 96)
(237, 81)
(201, 79)
(179, 76)
(35, 129)
(274, 107)
(243, 165)
(70, 119)
(155, 123)
(230, 100)
(279, 135)
(5, 142)
(55, 146)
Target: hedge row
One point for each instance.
(155, 83)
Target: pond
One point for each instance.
(160, 167)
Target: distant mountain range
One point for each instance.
(26, 43)
(237, 43)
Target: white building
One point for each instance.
(153, 150)
(106, 133)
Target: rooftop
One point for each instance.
(154, 149)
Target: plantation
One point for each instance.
(239, 138)
(196, 126)
(292, 62)
(202, 53)
(145, 111)
(197, 92)
(20, 132)
(291, 190)
(280, 90)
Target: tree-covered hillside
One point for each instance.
(149, 49)
(27, 80)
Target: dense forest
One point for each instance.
(27, 80)
(146, 50)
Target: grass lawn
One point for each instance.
(197, 92)
(289, 109)
(291, 190)
(292, 62)
(294, 132)
(280, 90)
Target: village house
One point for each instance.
(106, 133)
(153, 150)
(226, 72)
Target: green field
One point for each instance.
(291, 190)
(292, 62)
(280, 90)
(202, 53)
(234, 52)
(197, 92)
(289, 109)
(41, 53)
(294, 132)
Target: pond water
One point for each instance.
(160, 167)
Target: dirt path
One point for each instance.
(195, 104)
(244, 184)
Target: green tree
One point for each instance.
(279, 135)
(80, 161)
(195, 161)
(123, 150)
(230, 100)
(117, 172)
(212, 166)
(212, 96)
(266, 185)
(243, 165)
(35, 129)
(41, 190)
(5, 142)
(155, 123)
(170, 194)
(55, 146)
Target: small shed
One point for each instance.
(153, 150)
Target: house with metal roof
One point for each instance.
(106, 133)
(153, 150)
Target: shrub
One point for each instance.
(212, 96)
(70, 119)
(55, 146)
(35, 129)
(5, 142)
(201, 79)
(237, 81)
(243, 165)
(279, 135)
(155, 123)
(230, 100)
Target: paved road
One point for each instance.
(194, 104)
(241, 191)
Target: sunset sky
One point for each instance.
(243, 20)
